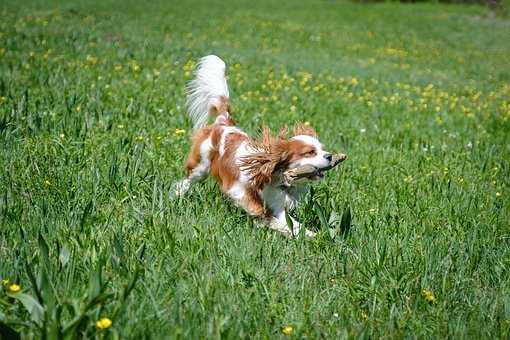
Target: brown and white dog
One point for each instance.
(249, 171)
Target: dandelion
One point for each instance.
(103, 323)
(428, 295)
(179, 131)
(62, 136)
(135, 66)
(287, 330)
(139, 138)
(46, 183)
(13, 288)
(498, 194)
(91, 60)
(120, 126)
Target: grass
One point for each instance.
(91, 103)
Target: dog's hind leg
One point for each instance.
(198, 164)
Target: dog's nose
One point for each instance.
(328, 156)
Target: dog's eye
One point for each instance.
(310, 153)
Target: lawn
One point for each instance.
(93, 136)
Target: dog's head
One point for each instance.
(277, 154)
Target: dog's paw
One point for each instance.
(181, 188)
(310, 233)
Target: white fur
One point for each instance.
(279, 200)
(236, 192)
(206, 89)
(227, 130)
(242, 151)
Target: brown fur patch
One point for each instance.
(253, 204)
(194, 154)
(216, 136)
(273, 156)
(228, 170)
(299, 149)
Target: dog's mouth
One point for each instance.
(309, 172)
(316, 176)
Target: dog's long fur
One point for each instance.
(249, 171)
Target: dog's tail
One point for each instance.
(208, 92)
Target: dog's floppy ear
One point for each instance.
(304, 129)
(273, 156)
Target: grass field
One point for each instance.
(93, 135)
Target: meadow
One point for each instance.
(414, 228)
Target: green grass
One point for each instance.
(417, 95)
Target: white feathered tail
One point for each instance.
(207, 89)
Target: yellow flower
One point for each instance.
(46, 183)
(139, 138)
(91, 60)
(62, 136)
(364, 316)
(14, 288)
(179, 131)
(120, 126)
(103, 323)
(428, 295)
(498, 194)
(287, 330)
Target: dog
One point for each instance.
(249, 171)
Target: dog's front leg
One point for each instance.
(279, 222)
